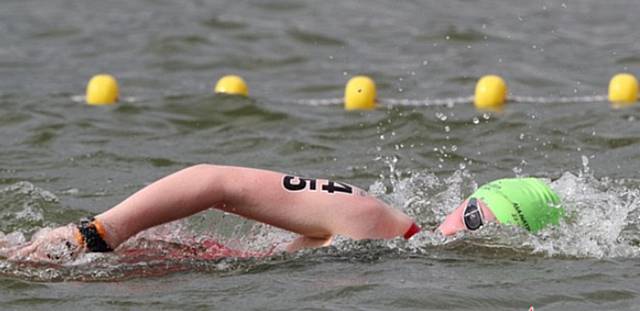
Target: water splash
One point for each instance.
(158, 251)
(602, 217)
(184, 245)
(25, 206)
(603, 221)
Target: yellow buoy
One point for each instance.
(491, 93)
(102, 89)
(623, 89)
(360, 94)
(232, 85)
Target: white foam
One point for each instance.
(600, 217)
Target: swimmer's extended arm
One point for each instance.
(316, 209)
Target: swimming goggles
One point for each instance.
(472, 215)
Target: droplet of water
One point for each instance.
(517, 171)
(585, 163)
(441, 116)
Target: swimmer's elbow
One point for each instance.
(204, 169)
(211, 178)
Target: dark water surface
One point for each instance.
(61, 159)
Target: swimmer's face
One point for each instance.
(472, 211)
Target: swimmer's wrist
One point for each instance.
(90, 233)
(411, 231)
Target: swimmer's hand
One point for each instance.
(50, 245)
(303, 242)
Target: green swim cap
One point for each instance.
(526, 202)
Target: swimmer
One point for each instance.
(525, 202)
(316, 209)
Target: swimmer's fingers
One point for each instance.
(303, 242)
(5, 249)
(54, 245)
(22, 253)
(53, 251)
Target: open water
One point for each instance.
(61, 159)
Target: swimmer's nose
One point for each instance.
(452, 224)
(448, 229)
